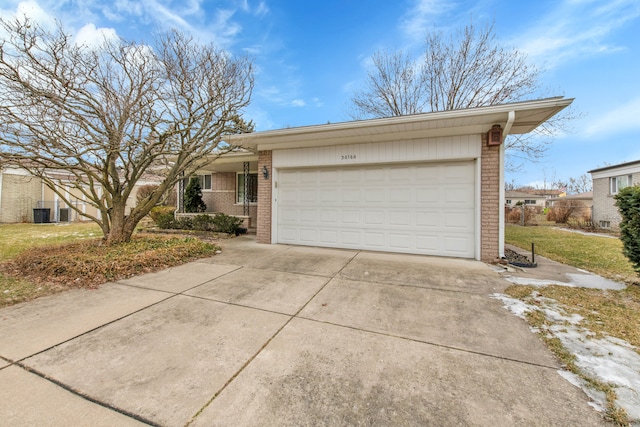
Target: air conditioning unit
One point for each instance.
(64, 215)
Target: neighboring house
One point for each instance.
(515, 198)
(607, 181)
(583, 199)
(25, 198)
(546, 193)
(429, 183)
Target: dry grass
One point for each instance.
(88, 263)
(605, 312)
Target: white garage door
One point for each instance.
(426, 208)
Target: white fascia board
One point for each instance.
(529, 115)
(616, 171)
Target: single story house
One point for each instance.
(430, 183)
(25, 198)
(515, 198)
(607, 181)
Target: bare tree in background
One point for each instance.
(107, 115)
(581, 184)
(465, 70)
(394, 87)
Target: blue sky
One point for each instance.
(310, 56)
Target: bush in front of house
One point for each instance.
(226, 223)
(193, 197)
(222, 223)
(163, 216)
(628, 203)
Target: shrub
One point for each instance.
(162, 215)
(514, 215)
(226, 223)
(203, 222)
(628, 203)
(193, 197)
(144, 192)
(563, 210)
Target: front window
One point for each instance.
(617, 183)
(529, 202)
(252, 188)
(205, 182)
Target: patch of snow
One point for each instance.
(576, 281)
(517, 307)
(609, 359)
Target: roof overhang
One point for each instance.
(526, 117)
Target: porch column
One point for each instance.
(263, 227)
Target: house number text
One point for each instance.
(347, 157)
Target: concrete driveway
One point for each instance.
(280, 335)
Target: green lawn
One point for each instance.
(16, 238)
(597, 254)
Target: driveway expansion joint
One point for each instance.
(267, 342)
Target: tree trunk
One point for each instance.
(120, 231)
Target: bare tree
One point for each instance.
(467, 69)
(581, 184)
(108, 115)
(394, 87)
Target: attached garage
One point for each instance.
(430, 184)
(425, 208)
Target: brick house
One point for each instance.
(607, 181)
(25, 198)
(430, 183)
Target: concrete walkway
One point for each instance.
(279, 335)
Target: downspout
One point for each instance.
(507, 128)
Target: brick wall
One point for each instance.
(489, 202)
(222, 197)
(20, 194)
(263, 232)
(604, 208)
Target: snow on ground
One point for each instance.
(608, 359)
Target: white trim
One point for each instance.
(527, 116)
(478, 207)
(274, 203)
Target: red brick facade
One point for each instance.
(490, 202)
(263, 234)
(222, 197)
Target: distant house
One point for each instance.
(25, 198)
(585, 199)
(516, 198)
(607, 181)
(546, 193)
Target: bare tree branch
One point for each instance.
(107, 116)
(464, 70)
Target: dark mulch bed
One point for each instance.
(518, 260)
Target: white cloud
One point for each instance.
(417, 20)
(32, 10)
(89, 35)
(621, 119)
(576, 29)
(298, 103)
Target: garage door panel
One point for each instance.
(307, 215)
(425, 208)
(373, 240)
(427, 195)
